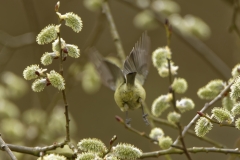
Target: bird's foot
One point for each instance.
(145, 119)
(127, 121)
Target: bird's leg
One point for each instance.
(128, 120)
(144, 115)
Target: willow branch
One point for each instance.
(35, 151)
(191, 150)
(206, 106)
(63, 91)
(142, 134)
(5, 147)
(114, 31)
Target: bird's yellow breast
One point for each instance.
(130, 95)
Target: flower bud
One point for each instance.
(72, 20)
(179, 85)
(228, 103)
(173, 117)
(206, 93)
(52, 157)
(145, 20)
(160, 56)
(15, 86)
(165, 142)
(48, 34)
(202, 126)
(92, 145)
(156, 133)
(47, 57)
(126, 151)
(90, 80)
(56, 80)
(30, 72)
(13, 128)
(93, 5)
(161, 104)
(236, 71)
(165, 7)
(8, 109)
(237, 123)
(55, 45)
(86, 156)
(57, 6)
(73, 50)
(143, 3)
(235, 89)
(110, 157)
(196, 26)
(236, 109)
(164, 71)
(185, 104)
(34, 116)
(216, 85)
(39, 84)
(221, 114)
(211, 90)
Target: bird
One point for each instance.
(128, 81)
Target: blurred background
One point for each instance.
(202, 44)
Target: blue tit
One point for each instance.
(128, 82)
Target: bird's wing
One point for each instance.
(109, 73)
(138, 60)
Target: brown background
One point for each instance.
(95, 113)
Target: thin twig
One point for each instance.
(191, 150)
(38, 151)
(142, 134)
(206, 106)
(114, 31)
(63, 91)
(35, 151)
(5, 147)
(110, 145)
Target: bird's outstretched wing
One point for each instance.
(109, 73)
(138, 60)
